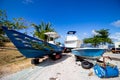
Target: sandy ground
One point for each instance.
(65, 68)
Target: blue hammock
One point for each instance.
(31, 47)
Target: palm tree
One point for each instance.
(41, 29)
(104, 35)
(101, 37)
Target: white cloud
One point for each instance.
(116, 23)
(85, 34)
(27, 1)
(94, 32)
(115, 37)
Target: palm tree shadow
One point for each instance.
(49, 62)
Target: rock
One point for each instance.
(52, 78)
(90, 74)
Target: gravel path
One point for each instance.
(63, 69)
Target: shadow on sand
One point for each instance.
(116, 59)
(49, 61)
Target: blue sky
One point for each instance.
(83, 16)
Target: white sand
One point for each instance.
(63, 69)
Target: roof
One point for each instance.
(71, 32)
(52, 34)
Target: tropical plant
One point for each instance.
(104, 35)
(3, 17)
(19, 23)
(95, 41)
(16, 23)
(101, 38)
(41, 29)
